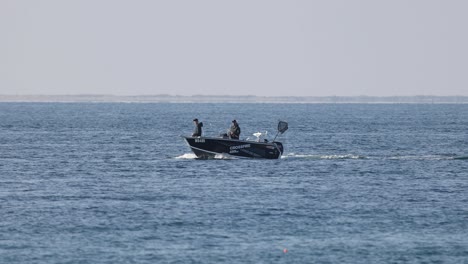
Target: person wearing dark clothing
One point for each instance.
(234, 131)
(197, 132)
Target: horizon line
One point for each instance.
(227, 95)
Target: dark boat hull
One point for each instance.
(207, 148)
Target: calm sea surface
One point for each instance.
(114, 183)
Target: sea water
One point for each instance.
(115, 183)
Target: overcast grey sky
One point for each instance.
(251, 47)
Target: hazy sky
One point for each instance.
(274, 48)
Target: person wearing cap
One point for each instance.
(234, 130)
(197, 132)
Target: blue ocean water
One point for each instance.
(114, 183)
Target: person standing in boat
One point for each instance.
(197, 132)
(234, 131)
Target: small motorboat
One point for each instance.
(210, 147)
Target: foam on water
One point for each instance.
(192, 156)
(187, 156)
(420, 157)
(321, 156)
(225, 156)
(354, 156)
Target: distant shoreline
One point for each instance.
(233, 99)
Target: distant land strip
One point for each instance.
(163, 98)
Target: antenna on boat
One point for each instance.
(282, 127)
